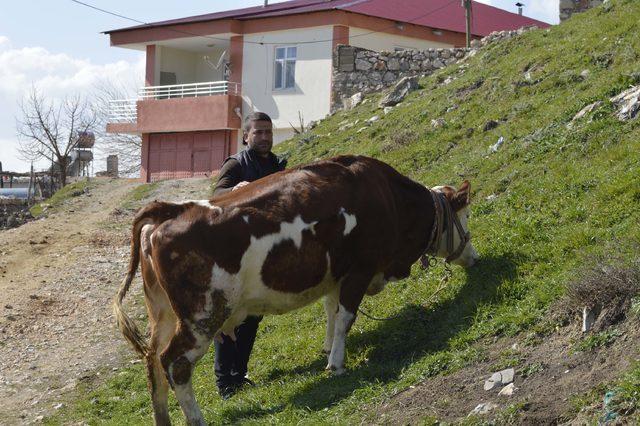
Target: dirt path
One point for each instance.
(57, 278)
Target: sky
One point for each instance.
(57, 46)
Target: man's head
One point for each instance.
(258, 133)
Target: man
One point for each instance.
(253, 163)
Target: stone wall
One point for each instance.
(358, 70)
(569, 7)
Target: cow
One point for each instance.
(339, 228)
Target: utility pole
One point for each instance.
(467, 6)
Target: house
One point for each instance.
(204, 73)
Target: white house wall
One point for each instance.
(360, 37)
(312, 93)
(180, 62)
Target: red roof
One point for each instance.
(441, 14)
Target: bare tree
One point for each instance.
(49, 129)
(126, 146)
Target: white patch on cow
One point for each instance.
(202, 203)
(245, 291)
(343, 320)
(350, 221)
(330, 308)
(174, 255)
(145, 239)
(245, 218)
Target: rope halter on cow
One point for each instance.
(444, 214)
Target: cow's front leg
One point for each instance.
(331, 309)
(352, 291)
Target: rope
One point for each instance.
(443, 284)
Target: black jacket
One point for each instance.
(246, 166)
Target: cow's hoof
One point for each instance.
(335, 371)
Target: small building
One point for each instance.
(204, 73)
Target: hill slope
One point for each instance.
(545, 203)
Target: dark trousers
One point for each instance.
(232, 357)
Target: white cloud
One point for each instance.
(56, 75)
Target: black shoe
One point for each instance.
(228, 391)
(245, 381)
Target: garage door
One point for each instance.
(183, 155)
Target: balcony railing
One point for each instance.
(125, 110)
(189, 90)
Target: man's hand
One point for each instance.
(240, 185)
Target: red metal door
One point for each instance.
(190, 154)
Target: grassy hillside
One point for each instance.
(544, 204)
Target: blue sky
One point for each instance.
(57, 45)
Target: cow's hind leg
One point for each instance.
(163, 328)
(331, 309)
(162, 322)
(352, 290)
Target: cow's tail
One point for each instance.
(153, 214)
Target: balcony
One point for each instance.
(178, 108)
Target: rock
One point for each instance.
(491, 197)
(490, 125)
(362, 65)
(400, 91)
(393, 64)
(373, 119)
(438, 122)
(389, 77)
(495, 147)
(507, 375)
(8, 307)
(483, 409)
(499, 378)
(588, 319)
(586, 110)
(387, 110)
(354, 100)
(493, 382)
(628, 103)
(362, 129)
(585, 74)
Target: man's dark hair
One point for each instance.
(254, 116)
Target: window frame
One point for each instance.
(284, 61)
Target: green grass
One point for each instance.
(598, 340)
(140, 193)
(561, 195)
(60, 196)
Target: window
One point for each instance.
(285, 68)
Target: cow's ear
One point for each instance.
(462, 197)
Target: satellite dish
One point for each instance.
(218, 64)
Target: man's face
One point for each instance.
(260, 137)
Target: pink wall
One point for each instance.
(188, 114)
(149, 79)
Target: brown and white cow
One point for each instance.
(338, 228)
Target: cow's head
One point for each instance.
(459, 200)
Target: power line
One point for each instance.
(119, 15)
